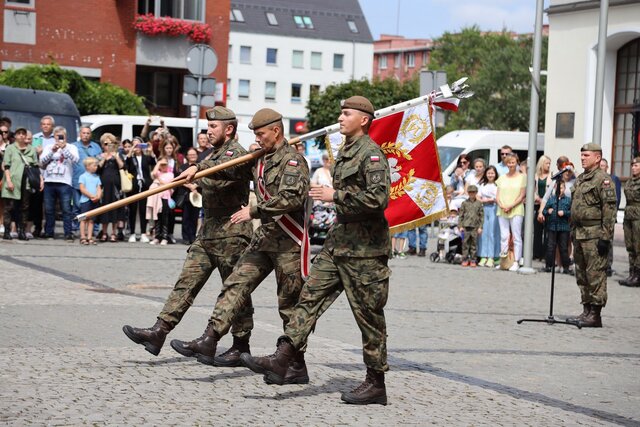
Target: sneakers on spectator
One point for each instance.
(164, 242)
(29, 235)
(465, 263)
(14, 235)
(514, 267)
(521, 262)
(1, 229)
(68, 237)
(489, 263)
(154, 242)
(483, 262)
(567, 271)
(412, 251)
(395, 253)
(472, 264)
(132, 238)
(402, 255)
(144, 238)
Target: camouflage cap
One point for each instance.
(220, 113)
(20, 130)
(472, 189)
(264, 117)
(592, 146)
(359, 103)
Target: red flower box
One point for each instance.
(153, 26)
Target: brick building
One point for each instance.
(97, 39)
(395, 56)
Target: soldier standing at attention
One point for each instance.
(281, 183)
(218, 245)
(471, 218)
(631, 224)
(354, 259)
(593, 210)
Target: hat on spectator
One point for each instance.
(220, 113)
(592, 146)
(472, 189)
(19, 130)
(359, 103)
(196, 199)
(264, 117)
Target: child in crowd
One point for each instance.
(158, 204)
(489, 242)
(398, 242)
(91, 192)
(471, 219)
(558, 230)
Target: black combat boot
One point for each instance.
(151, 338)
(372, 390)
(632, 272)
(231, 357)
(296, 371)
(203, 348)
(633, 280)
(593, 319)
(275, 366)
(7, 235)
(586, 308)
(21, 234)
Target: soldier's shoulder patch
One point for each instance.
(606, 183)
(375, 176)
(290, 178)
(229, 153)
(374, 158)
(292, 162)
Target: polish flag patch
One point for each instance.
(293, 163)
(229, 153)
(375, 158)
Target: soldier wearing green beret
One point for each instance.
(353, 259)
(631, 224)
(471, 219)
(281, 183)
(593, 210)
(218, 244)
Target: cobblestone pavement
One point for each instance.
(457, 355)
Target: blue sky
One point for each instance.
(431, 18)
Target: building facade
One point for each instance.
(281, 51)
(395, 56)
(572, 62)
(97, 38)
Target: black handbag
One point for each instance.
(33, 175)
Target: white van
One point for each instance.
(483, 144)
(126, 127)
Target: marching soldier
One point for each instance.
(354, 259)
(281, 182)
(632, 224)
(593, 210)
(218, 245)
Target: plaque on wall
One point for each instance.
(564, 125)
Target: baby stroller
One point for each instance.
(449, 242)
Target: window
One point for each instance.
(338, 61)
(160, 89)
(235, 15)
(272, 56)
(22, 3)
(296, 90)
(271, 19)
(228, 88)
(314, 90)
(382, 62)
(316, 60)
(244, 87)
(245, 54)
(303, 22)
(411, 60)
(230, 54)
(397, 59)
(424, 58)
(352, 26)
(270, 91)
(625, 138)
(181, 9)
(297, 59)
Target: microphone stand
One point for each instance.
(550, 320)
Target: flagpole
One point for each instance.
(457, 89)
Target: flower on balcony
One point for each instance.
(153, 26)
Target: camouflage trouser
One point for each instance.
(470, 243)
(591, 272)
(366, 284)
(632, 241)
(203, 257)
(252, 268)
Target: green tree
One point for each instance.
(497, 65)
(90, 97)
(324, 107)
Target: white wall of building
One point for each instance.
(358, 63)
(572, 62)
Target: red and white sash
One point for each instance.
(299, 234)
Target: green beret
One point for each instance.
(264, 117)
(592, 146)
(472, 189)
(359, 103)
(220, 113)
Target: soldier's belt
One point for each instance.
(220, 212)
(346, 219)
(588, 222)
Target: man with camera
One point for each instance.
(57, 160)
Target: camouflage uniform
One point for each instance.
(219, 243)
(355, 253)
(471, 218)
(631, 222)
(593, 210)
(286, 177)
